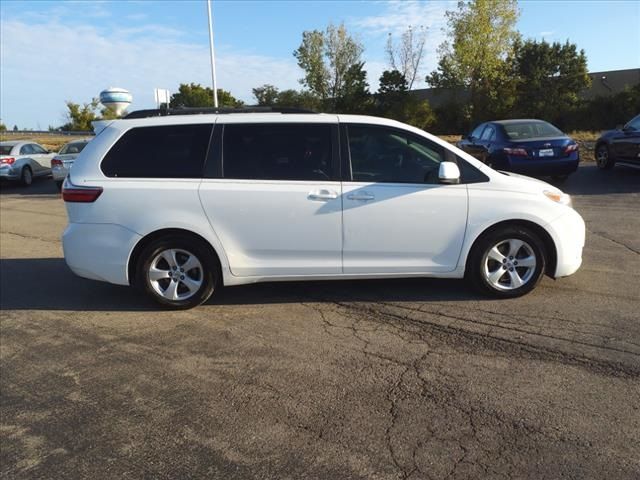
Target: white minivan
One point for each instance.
(180, 203)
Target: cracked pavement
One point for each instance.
(402, 379)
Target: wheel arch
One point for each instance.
(150, 237)
(551, 252)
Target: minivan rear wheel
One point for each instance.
(507, 262)
(177, 272)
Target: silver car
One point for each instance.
(22, 161)
(63, 161)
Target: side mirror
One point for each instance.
(449, 173)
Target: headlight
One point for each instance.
(561, 198)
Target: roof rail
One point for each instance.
(163, 112)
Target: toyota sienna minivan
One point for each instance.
(180, 203)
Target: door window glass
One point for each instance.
(277, 151)
(381, 154)
(37, 149)
(26, 150)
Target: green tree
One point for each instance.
(79, 117)
(326, 57)
(395, 101)
(195, 95)
(355, 97)
(15, 128)
(549, 78)
(3, 127)
(299, 99)
(266, 94)
(478, 55)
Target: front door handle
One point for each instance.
(360, 196)
(322, 194)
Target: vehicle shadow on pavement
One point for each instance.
(590, 180)
(40, 186)
(48, 284)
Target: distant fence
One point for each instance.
(55, 133)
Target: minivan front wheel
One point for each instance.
(507, 262)
(177, 272)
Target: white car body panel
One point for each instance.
(395, 228)
(276, 228)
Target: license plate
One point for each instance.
(545, 152)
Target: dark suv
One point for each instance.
(619, 146)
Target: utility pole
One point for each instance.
(213, 59)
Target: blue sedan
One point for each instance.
(529, 147)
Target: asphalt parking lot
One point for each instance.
(370, 379)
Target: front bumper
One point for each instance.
(568, 232)
(99, 251)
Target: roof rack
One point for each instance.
(163, 112)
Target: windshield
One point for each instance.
(70, 148)
(634, 124)
(5, 149)
(525, 130)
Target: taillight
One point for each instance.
(571, 148)
(517, 152)
(81, 194)
(56, 162)
(7, 161)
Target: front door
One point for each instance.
(397, 217)
(277, 209)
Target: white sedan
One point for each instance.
(63, 161)
(23, 160)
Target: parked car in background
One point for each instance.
(23, 161)
(183, 204)
(63, 161)
(529, 147)
(621, 145)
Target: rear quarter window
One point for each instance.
(175, 151)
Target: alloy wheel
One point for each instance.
(509, 264)
(602, 156)
(175, 274)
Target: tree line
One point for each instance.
(486, 70)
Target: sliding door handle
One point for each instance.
(360, 196)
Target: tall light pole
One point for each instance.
(213, 59)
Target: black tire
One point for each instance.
(26, 176)
(59, 184)
(209, 276)
(603, 157)
(478, 262)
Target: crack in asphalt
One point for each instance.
(618, 242)
(29, 237)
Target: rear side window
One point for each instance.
(176, 151)
(277, 152)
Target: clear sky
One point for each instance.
(52, 51)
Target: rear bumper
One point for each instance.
(8, 173)
(99, 251)
(539, 167)
(59, 173)
(568, 233)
